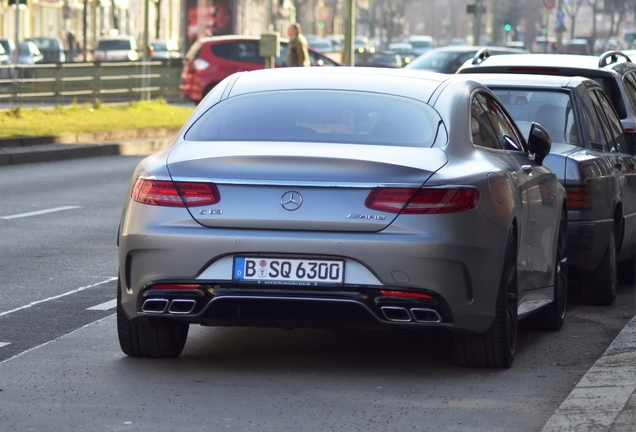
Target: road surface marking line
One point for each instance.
(58, 296)
(110, 304)
(55, 340)
(4, 344)
(40, 212)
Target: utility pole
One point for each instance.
(477, 23)
(349, 31)
(17, 32)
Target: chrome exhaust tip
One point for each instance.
(155, 306)
(425, 315)
(395, 313)
(182, 306)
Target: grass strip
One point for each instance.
(31, 122)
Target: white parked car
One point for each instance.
(116, 48)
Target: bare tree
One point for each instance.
(158, 22)
(596, 6)
(572, 9)
(301, 7)
(387, 18)
(113, 8)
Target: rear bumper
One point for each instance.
(221, 304)
(462, 279)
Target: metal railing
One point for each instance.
(107, 82)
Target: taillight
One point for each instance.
(578, 197)
(406, 294)
(175, 287)
(175, 194)
(423, 201)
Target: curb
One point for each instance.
(22, 150)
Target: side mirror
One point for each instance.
(539, 142)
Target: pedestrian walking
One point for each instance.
(297, 51)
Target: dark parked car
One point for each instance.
(51, 48)
(321, 197)
(387, 59)
(449, 59)
(166, 51)
(591, 158)
(28, 55)
(612, 70)
(210, 60)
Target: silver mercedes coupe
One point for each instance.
(342, 197)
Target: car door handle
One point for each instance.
(526, 168)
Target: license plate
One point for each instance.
(288, 271)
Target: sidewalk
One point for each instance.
(604, 400)
(47, 149)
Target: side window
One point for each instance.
(630, 85)
(604, 133)
(459, 61)
(615, 129)
(590, 122)
(490, 126)
(247, 52)
(282, 58)
(613, 91)
(243, 51)
(222, 50)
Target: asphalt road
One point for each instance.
(61, 367)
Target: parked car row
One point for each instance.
(109, 48)
(344, 197)
(588, 106)
(396, 198)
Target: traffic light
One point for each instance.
(321, 24)
(507, 27)
(544, 30)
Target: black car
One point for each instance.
(613, 70)
(51, 48)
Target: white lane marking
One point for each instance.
(110, 304)
(58, 296)
(55, 340)
(40, 212)
(4, 344)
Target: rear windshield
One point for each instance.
(319, 116)
(552, 109)
(114, 45)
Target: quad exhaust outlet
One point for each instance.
(415, 314)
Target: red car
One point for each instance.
(210, 60)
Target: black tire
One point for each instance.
(496, 348)
(154, 338)
(552, 317)
(598, 287)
